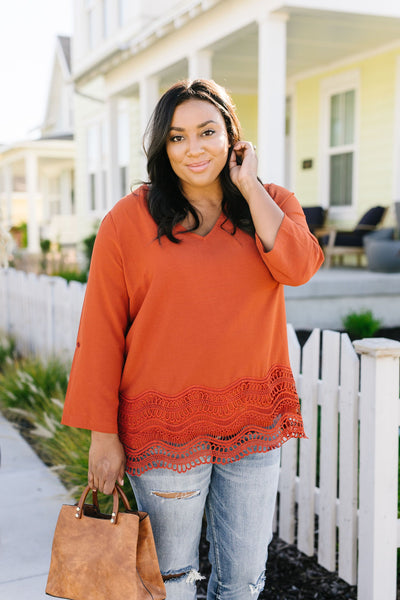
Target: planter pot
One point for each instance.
(382, 254)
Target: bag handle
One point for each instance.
(118, 493)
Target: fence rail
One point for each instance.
(345, 474)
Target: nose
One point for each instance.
(194, 147)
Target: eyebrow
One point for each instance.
(198, 126)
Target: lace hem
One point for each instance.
(209, 425)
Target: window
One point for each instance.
(341, 148)
(97, 173)
(106, 17)
(123, 151)
(123, 7)
(90, 23)
(339, 114)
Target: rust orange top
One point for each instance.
(182, 348)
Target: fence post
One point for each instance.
(379, 437)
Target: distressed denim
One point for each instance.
(239, 500)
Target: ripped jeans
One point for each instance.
(239, 499)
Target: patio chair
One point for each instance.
(315, 217)
(340, 243)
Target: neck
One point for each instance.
(204, 199)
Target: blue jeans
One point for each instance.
(239, 500)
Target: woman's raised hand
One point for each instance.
(243, 165)
(106, 462)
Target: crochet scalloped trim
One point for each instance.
(202, 425)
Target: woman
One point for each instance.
(181, 369)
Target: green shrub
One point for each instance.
(8, 351)
(88, 244)
(361, 325)
(72, 275)
(45, 246)
(32, 396)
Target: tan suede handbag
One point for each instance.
(96, 556)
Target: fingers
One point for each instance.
(106, 462)
(243, 146)
(104, 482)
(91, 481)
(121, 475)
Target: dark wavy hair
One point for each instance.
(166, 201)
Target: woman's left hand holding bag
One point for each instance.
(106, 462)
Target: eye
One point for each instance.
(208, 132)
(176, 138)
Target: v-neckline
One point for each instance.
(198, 235)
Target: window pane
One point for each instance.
(341, 179)
(93, 145)
(107, 17)
(336, 133)
(349, 117)
(90, 29)
(122, 181)
(92, 191)
(342, 118)
(122, 12)
(104, 188)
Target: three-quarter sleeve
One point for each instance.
(92, 397)
(296, 255)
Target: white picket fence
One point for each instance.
(41, 312)
(349, 480)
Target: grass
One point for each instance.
(32, 397)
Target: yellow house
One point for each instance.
(316, 83)
(37, 176)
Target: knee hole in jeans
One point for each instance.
(258, 587)
(190, 575)
(175, 495)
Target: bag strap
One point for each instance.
(117, 494)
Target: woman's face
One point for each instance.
(197, 145)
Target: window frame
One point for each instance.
(331, 86)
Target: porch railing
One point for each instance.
(344, 476)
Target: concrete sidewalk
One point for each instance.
(30, 499)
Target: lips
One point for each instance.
(199, 166)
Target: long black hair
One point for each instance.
(167, 204)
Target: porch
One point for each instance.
(333, 293)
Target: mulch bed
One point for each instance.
(290, 576)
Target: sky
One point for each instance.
(28, 30)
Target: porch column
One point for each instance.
(200, 65)
(7, 179)
(113, 192)
(32, 182)
(149, 93)
(271, 97)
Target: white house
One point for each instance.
(37, 176)
(316, 84)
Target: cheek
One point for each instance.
(173, 155)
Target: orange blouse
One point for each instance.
(182, 348)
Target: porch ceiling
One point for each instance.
(315, 39)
